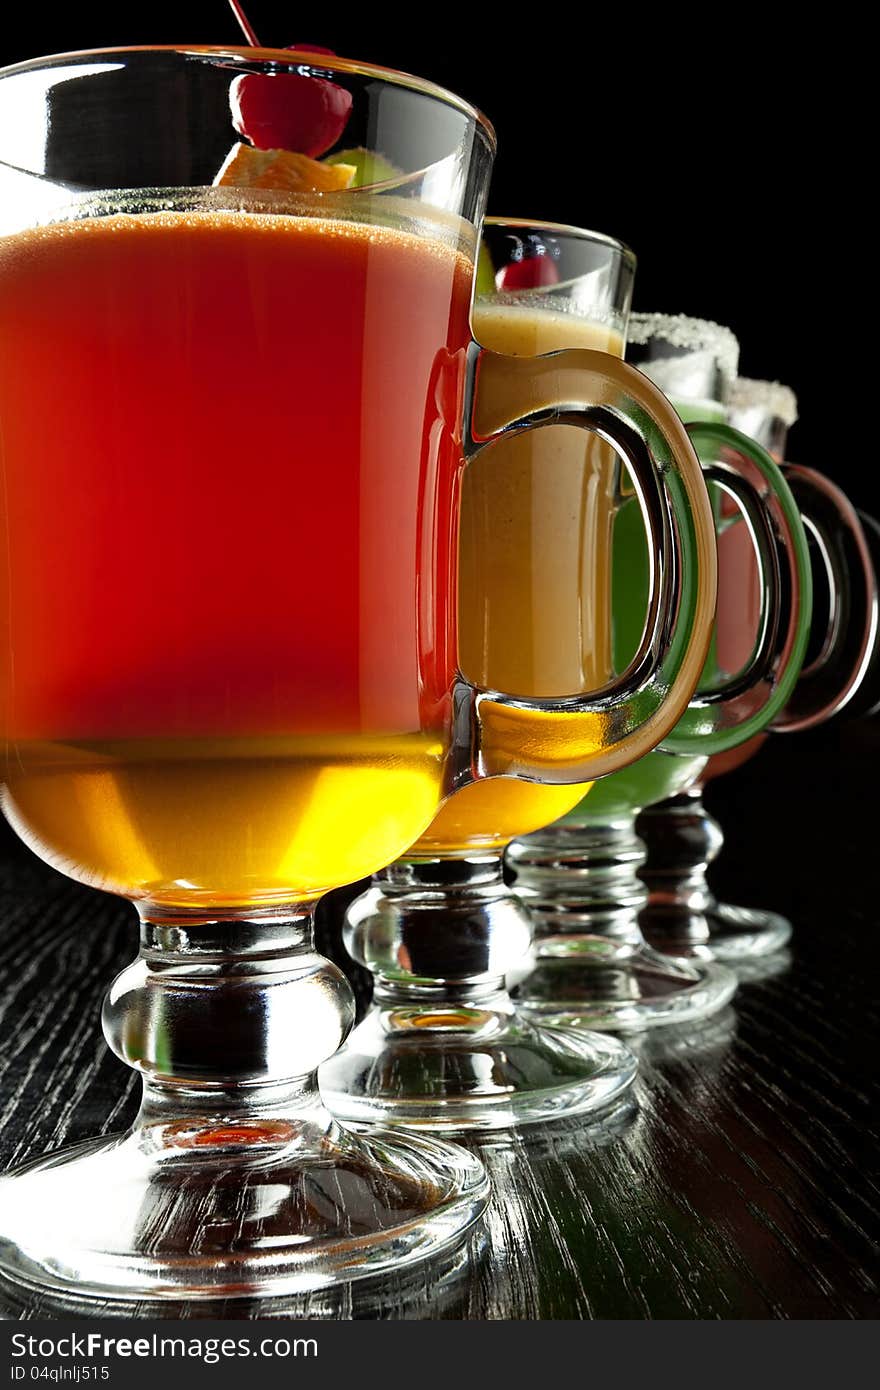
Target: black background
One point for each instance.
(729, 151)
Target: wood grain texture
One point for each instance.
(742, 1183)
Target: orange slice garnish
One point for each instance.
(245, 167)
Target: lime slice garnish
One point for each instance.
(369, 167)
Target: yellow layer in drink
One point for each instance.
(229, 822)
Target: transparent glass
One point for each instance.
(243, 342)
(764, 410)
(582, 877)
(693, 360)
(681, 837)
(443, 1046)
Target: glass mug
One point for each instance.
(263, 363)
(680, 835)
(591, 966)
(443, 1045)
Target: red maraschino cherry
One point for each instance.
(288, 110)
(530, 273)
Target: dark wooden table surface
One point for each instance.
(742, 1182)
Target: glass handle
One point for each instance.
(579, 737)
(867, 700)
(761, 665)
(835, 674)
(726, 713)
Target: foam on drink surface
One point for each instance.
(526, 326)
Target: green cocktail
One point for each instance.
(592, 968)
(659, 774)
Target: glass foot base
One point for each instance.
(470, 1069)
(596, 982)
(738, 933)
(260, 1207)
(707, 1041)
(380, 1297)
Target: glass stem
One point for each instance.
(579, 880)
(439, 930)
(226, 1017)
(682, 840)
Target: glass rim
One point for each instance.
(537, 224)
(288, 56)
(687, 332)
(774, 397)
